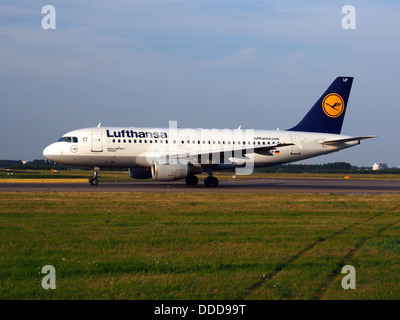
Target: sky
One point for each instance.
(209, 64)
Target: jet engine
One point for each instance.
(171, 171)
(140, 173)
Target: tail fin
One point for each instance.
(328, 112)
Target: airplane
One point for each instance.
(168, 154)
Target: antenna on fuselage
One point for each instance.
(99, 125)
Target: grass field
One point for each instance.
(199, 246)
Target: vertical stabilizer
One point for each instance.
(328, 112)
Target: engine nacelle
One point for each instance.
(140, 173)
(170, 171)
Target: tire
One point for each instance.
(211, 182)
(93, 181)
(192, 180)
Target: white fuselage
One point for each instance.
(140, 147)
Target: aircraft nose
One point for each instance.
(49, 152)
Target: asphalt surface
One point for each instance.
(340, 186)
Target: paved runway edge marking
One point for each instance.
(43, 180)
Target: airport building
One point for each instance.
(379, 166)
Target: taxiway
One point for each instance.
(243, 186)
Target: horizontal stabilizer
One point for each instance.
(338, 141)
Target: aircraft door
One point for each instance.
(97, 145)
(297, 144)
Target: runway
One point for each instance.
(337, 186)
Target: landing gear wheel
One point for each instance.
(191, 180)
(93, 181)
(211, 182)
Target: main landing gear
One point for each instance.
(192, 180)
(209, 182)
(94, 181)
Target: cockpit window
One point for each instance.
(68, 139)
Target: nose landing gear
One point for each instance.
(94, 181)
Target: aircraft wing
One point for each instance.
(339, 141)
(260, 149)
